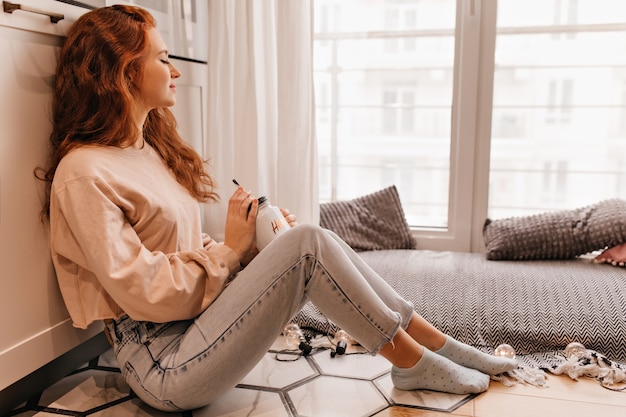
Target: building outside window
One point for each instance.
(471, 108)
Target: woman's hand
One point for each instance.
(290, 218)
(240, 231)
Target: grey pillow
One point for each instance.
(562, 234)
(372, 222)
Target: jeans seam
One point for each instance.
(386, 338)
(236, 321)
(129, 371)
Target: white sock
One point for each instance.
(436, 373)
(471, 357)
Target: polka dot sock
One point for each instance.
(471, 357)
(436, 373)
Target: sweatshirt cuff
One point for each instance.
(230, 258)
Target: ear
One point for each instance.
(132, 75)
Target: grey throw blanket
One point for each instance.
(538, 307)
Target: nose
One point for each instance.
(175, 73)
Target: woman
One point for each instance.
(189, 317)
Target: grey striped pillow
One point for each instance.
(372, 222)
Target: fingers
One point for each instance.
(290, 218)
(241, 192)
(240, 225)
(246, 205)
(242, 204)
(252, 210)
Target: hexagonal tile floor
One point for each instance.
(282, 384)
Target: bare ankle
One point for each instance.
(402, 351)
(425, 333)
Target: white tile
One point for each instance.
(85, 390)
(420, 398)
(280, 344)
(363, 366)
(331, 396)
(240, 402)
(270, 372)
(108, 359)
(132, 408)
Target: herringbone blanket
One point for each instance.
(538, 307)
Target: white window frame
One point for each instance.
(471, 125)
(471, 131)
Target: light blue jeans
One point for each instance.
(184, 365)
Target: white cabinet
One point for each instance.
(182, 23)
(35, 328)
(191, 103)
(35, 325)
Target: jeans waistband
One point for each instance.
(126, 330)
(115, 327)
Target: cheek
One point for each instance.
(156, 74)
(154, 81)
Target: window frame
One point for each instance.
(475, 33)
(475, 36)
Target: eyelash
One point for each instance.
(165, 61)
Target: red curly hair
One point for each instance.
(97, 81)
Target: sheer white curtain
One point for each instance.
(261, 117)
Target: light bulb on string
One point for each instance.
(575, 349)
(292, 334)
(341, 343)
(505, 350)
(295, 339)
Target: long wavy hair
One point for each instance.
(97, 82)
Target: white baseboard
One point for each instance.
(29, 355)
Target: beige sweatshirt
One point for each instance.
(126, 237)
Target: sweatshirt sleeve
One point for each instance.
(91, 230)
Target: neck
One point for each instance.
(139, 143)
(140, 118)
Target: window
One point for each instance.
(384, 85)
(559, 101)
(570, 150)
(472, 108)
(398, 110)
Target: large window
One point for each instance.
(384, 81)
(558, 105)
(472, 108)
